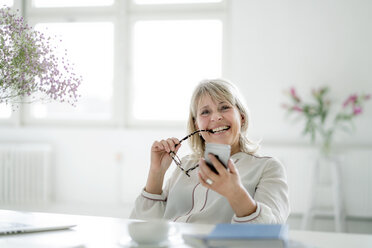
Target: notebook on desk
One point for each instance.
(18, 227)
(241, 236)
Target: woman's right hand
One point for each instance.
(160, 162)
(160, 154)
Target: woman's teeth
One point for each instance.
(220, 129)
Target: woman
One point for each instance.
(252, 190)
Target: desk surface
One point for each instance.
(111, 232)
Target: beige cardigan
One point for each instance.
(184, 199)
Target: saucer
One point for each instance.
(127, 242)
(133, 244)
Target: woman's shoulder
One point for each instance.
(255, 156)
(259, 159)
(265, 166)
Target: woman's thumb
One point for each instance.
(231, 166)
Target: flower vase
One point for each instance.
(326, 196)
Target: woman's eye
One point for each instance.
(204, 112)
(225, 107)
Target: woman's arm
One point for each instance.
(152, 201)
(160, 162)
(271, 196)
(242, 203)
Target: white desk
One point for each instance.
(107, 232)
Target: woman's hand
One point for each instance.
(160, 162)
(228, 184)
(160, 154)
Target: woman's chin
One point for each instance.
(219, 141)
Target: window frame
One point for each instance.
(123, 14)
(205, 11)
(80, 14)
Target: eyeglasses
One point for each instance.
(177, 160)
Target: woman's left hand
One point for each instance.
(226, 183)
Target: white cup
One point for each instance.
(150, 232)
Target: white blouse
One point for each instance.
(184, 199)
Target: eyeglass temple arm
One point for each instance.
(191, 134)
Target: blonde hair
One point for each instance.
(219, 90)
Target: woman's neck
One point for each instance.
(235, 149)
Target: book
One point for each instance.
(242, 235)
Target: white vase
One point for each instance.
(326, 187)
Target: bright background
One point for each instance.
(101, 148)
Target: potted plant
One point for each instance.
(323, 122)
(320, 122)
(29, 68)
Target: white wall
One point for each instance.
(94, 164)
(274, 45)
(306, 44)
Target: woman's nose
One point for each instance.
(216, 116)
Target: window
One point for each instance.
(8, 3)
(173, 48)
(90, 48)
(174, 1)
(88, 36)
(70, 3)
(175, 54)
(139, 59)
(5, 111)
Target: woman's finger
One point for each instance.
(201, 174)
(177, 144)
(157, 146)
(231, 166)
(207, 172)
(166, 145)
(203, 181)
(221, 169)
(172, 144)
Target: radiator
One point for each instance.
(25, 174)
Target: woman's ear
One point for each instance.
(242, 118)
(196, 125)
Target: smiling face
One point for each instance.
(223, 118)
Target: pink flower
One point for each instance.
(294, 94)
(293, 91)
(367, 97)
(357, 110)
(297, 108)
(351, 99)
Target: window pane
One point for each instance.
(170, 58)
(90, 47)
(70, 3)
(174, 1)
(5, 111)
(8, 3)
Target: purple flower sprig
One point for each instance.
(318, 119)
(29, 68)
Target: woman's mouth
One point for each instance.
(219, 129)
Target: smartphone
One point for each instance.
(221, 151)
